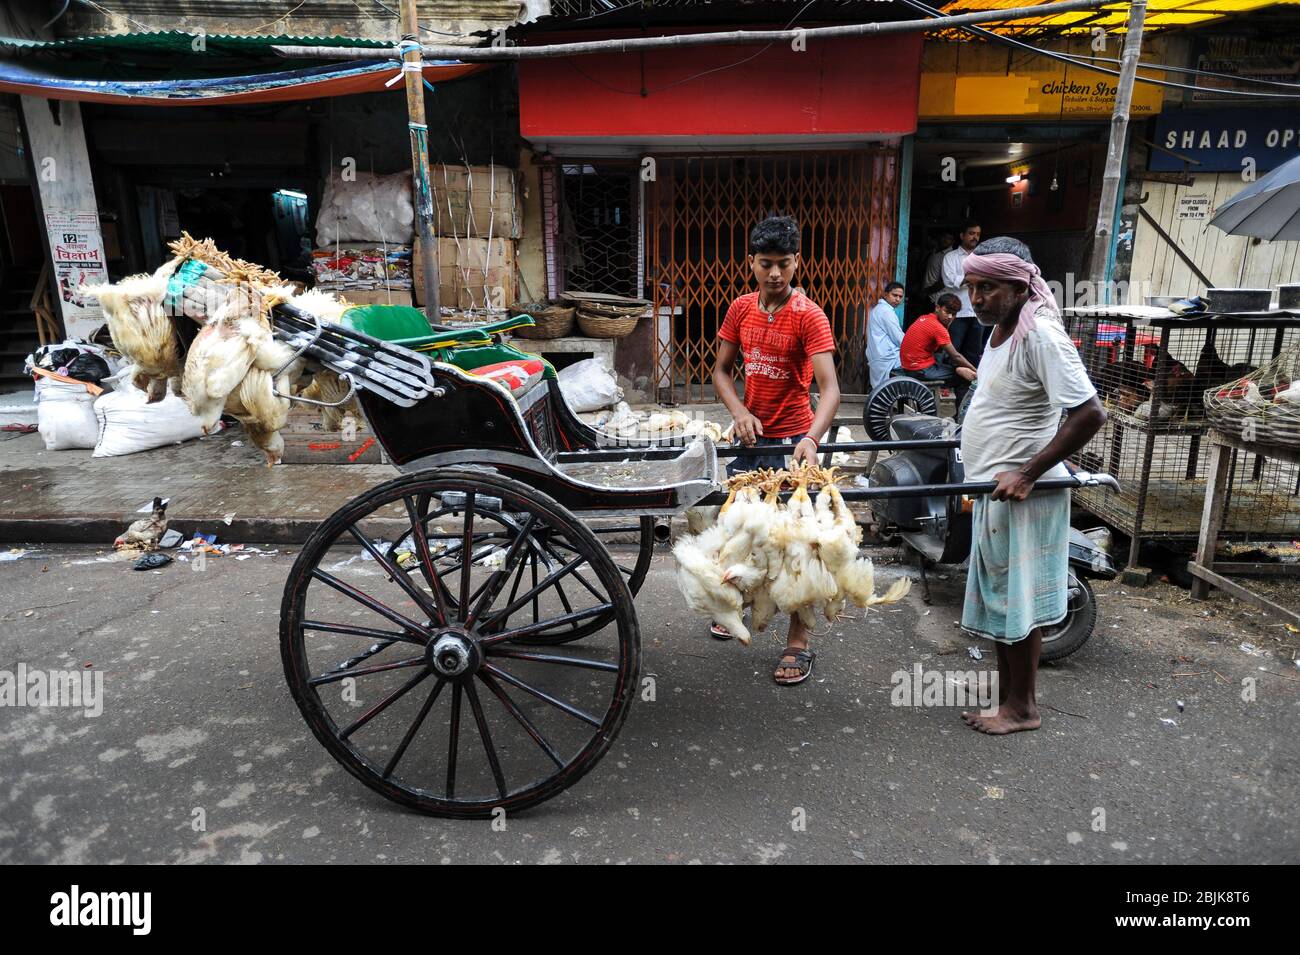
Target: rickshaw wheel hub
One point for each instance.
(453, 655)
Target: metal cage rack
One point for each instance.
(1152, 374)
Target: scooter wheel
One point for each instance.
(900, 395)
(1072, 632)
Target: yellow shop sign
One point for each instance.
(968, 81)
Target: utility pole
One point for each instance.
(1104, 238)
(421, 183)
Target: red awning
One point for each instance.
(858, 87)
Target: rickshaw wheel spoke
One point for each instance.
(367, 601)
(335, 676)
(466, 564)
(559, 713)
(368, 632)
(384, 704)
(486, 737)
(542, 695)
(453, 741)
(551, 658)
(523, 720)
(414, 728)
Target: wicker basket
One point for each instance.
(1269, 414)
(613, 311)
(605, 326)
(553, 320)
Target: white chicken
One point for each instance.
(699, 426)
(804, 585)
(229, 368)
(700, 579)
(141, 329)
(801, 558)
(1291, 393)
(665, 423)
(261, 411)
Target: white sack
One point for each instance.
(128, 423)
(588, 385)
(371, 209)
(65, 415)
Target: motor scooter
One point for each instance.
(938, 528)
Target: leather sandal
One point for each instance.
(802, 660)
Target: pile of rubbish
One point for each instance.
(800, 557)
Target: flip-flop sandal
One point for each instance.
(719, 633)
(803, 660)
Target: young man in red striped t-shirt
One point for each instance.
(786, 341)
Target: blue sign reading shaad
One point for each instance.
(1221, 139)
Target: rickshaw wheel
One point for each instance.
(434, 640)
(633, 572)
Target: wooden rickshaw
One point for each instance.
(492, 583)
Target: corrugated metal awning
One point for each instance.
(1161, 14)
(182, 41)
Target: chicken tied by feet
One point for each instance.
(800, 557)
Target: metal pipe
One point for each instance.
(973, 489)
(483, 54)
(740, 451)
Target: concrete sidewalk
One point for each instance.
(71, 497)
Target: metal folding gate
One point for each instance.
(698, 213)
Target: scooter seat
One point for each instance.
(921, 427)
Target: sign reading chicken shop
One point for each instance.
(1222, 140)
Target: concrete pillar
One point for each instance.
(56, 140)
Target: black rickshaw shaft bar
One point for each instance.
(740, 451)
(971, 489)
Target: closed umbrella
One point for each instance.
(1268, 208)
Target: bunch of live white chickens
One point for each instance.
(234, 365)
(800, 557)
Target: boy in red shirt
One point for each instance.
(927, 351)
(786, 340)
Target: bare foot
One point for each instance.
(1005, 720)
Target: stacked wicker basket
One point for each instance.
(552, 319)
(606, 316)
(1263, 406)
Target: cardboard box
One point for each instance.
(377, 296)
(473, 273)
(476, 202)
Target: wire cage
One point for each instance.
(1152, 376)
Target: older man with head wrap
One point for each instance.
(1012, 434)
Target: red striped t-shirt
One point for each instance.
(778, 359)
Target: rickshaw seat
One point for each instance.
(407, 326)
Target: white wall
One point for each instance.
(1229, 261)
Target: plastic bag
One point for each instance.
(65, 416)
(588, 385)
(128, 423)
(75, 359)
(371, 209)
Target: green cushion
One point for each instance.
(388, 323)
(407, 326)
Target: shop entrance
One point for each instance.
(699, 210)
(1043, 191)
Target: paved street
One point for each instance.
(197, 716)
